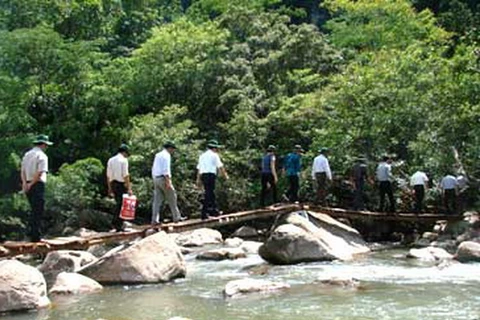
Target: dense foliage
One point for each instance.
(363, 77)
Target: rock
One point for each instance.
(260, 270)
(318, 238)
(151, 260)
(449, 245)
(199, 238)
(245, 232)
(468, 251)
(86, 233)
(233, 242)
(64, 261)
(430, 236)
(22, 287)
(422, 243)
(345, 283)
(73, 283)
(179, 318)
(251, 246)
(244, 286)
(222, 254)
(429, 254)
(185, 250)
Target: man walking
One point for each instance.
(419, 182)
(118, 182)
(269, 175)
(359, 177)
(449, 186)
(209, 164)
(163, 189)
(293, 166)
(34, 177)
(322, 175)
(385, 177)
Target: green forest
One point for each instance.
(363, 78)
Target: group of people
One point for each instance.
(35, 168)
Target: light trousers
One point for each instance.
(163, 194)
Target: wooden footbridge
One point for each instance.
(14, 248)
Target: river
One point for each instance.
(392, 288)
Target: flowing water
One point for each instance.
(392, 288)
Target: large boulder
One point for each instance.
(468, 251)
(64, 261)
(233, 242)
(251, 246)
(246, 232)
(22, 287)
(151, 260)
(68, 283)
(429, 254)
(199, 238)
(245, 286)
(312, 236)
(222, 254)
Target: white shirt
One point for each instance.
(35, 160)
(418, 178)
(161, 164)
(320, 164)
(449, 182)
(384, 172)
(117, 168)
(209, 162)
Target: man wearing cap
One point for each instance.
(293, 166)
(118, 182)
(163, 189)
(385, 177)
(359, 176)
(209, 164)
(34, 176)
(321, 174)
(419, 182)
(269, 175)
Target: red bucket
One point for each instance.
(129, 203)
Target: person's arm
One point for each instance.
(272, 168)
(126, 178)
(224, 173)
(109, 180)
(327, 170)
(313, 168)
(199, 180)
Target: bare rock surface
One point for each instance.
(222, 254)
(199, 238)
(233, 242)
(22, 287)
(68, 283)
(245, 232)
(153, 259)
(246, 286)
(429, 254)
(468, 251)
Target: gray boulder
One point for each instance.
(198, 237)
(222, 254)
(22, 287)
(64, 261)
(68, 283)
(468, 251)
(245, 286)
(312, 237)
(151, 260)
(245, 232)
(233, 242)
(429, 254)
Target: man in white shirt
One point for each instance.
(449, 186)
(118, 182)
(419, 182)
(322, 175)
(163, 189)
(208, 166)
(385, 177)
(34, 176)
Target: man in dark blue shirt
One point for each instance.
(293, 166)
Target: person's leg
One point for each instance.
(36, 197)
(118, 189)
(383, 191)
(273, 187)
(421, 197)
(171, 197)
(263, 194)
(156, 203)
(208, 181)
(391, 199)
(295, 187)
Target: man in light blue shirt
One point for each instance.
(449, 186)
(384, 178)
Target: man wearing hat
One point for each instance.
(321, 174)
(163, 189)
(118, 182)
(209, 164)
(293, 166)
(269, 175)
(34, 176)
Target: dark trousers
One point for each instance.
(386, 189)
(36, 198)
(450, 201)
(209, 201)
(321, 180)
(118, 189)
(358, 200)
(294, 185)
(419, 196)
(268, 179)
